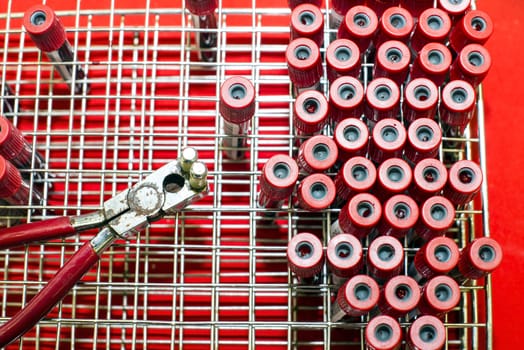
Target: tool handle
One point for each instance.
(55, 290)
(36, 231)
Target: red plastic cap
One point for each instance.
(305, 255)
(351, 136)
(342, 58)
(383, 332)
(396, 23)
(480, 257)
(420, 99)
(465, 178)
(346, 95)
(237, 100)
(394, 176)
(304, 62)
(472, 65)
(426, 332)
(401, 295)
(307, 22)
(360, 24)
(279, 176)
(44, 28)
(400, 215)
(392, 60)
(437, 257)
(475, 27)
(433, 25)
(359, 295)
(344, 255)
(360, 215)
(201, 7)
(437, 214)
(424, 138)
(357, 175)
(385, 257)
(454, 7)
(317, 154)
(433, 61)
(12, 141)
(457, 103)
(383, 98)
(440, 295)
(430, 177)
(316, 192)
(310, 112)
(10, 179)
(388, 140)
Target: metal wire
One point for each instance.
(215, 276)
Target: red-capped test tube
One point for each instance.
(475, 27)
(479, 258)
(204, 18)
(383, 99)
(400, 295)
(357, 175)
(439, 296)
(237, 107)
(387, 140)
(399, 216)
(351, 136)
(277, 182)
(433, 26)
(472, 64)
(383, 333)
(359, 216)
(307, 22)
(455, 8)
(316, 192)
(13, 189)
(304, 64)
(385, 257)
(344, 257)
(437, 214)
(360, 25)
(429, 178)
(464, 181)
(420, 99)
(439, 256)
(342, 59)
(392, 61)
(457, 104)
(416, 7)
(15, 148)
(424, 139)
(394, 177)
(317, 154)
(310, 113)
(305, 257)
(357, 297)
(346, 97)
(294, 3)
(426, 333)
(48, 34)
(433, 62)
(396, 23)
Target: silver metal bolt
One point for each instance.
(188, 156)
(198, 176)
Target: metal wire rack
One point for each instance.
(214, 276)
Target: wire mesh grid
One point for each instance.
(214, 276)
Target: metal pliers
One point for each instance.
(166, 191)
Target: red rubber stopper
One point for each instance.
(201, 7)
(433, 62)
(400, 215)
(360, 25)
(279, 176)
(317, 154)
(383, 333)
(383, 99)
(304, 63)
(351, 136)
(457, 103)
(400, 295)
(44, 28)
(392, 61)
(359, 216)
(424, 139)
(316, 192)
(433, 25)
(294, 3)
(310, 112)
(394, 177)
(436, 217)
(430, 177)
(472, 65)
(426, 333)
(342, 59)
(357, 175)
(380, 6)
(455, 8)
(479, 258)
(420, 99)
(416, 7)
(346, 97)
(439, 296)
(438, 256)
(13, 143)
(237, 100)
(464, 180)
(307, 22)
(396, 23)
(305, 255)
(358, 296)
(475, 27)
(10, 179)
(385, 258)
(387, 140)
(344, 255)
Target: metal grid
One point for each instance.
(215, 275)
